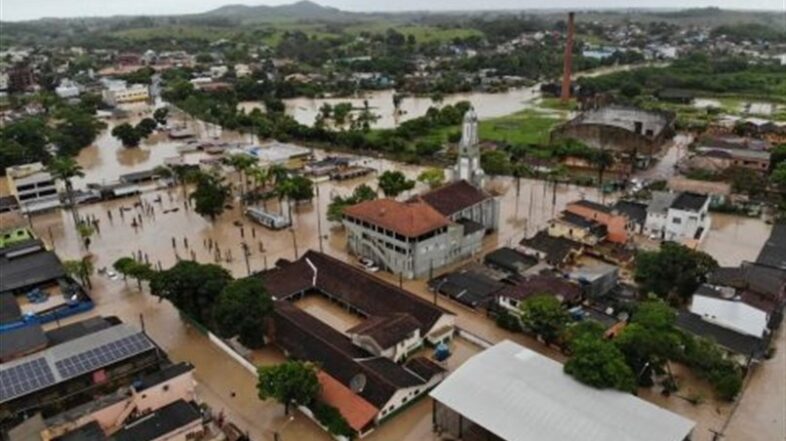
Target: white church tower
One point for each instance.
(468, 164)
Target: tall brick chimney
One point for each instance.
(567, 69)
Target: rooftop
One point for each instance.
(367, 294)
(562, 289)
(730, 339)
(773, 253)
(660, 202)
(592, 205)
(26, 264)
(386, 331)
(410, 219)
(529, 397)
(689, 201)
(624, 118)
(636, 211)
(160, 422)
(555, 248)
(452, 198)
(510, 260)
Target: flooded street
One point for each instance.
(525, 208)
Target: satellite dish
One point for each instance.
(358, 383)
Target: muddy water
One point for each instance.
(735, 239)
(487, 105)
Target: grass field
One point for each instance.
(525, 127)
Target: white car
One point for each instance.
(368, 264)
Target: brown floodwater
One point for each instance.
(731, 240)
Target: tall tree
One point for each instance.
(160, 115)
(210, 195)
(241, 311)
(393, 183)
(192, 287)
(545, 316)
(289, 383)
(64, 169)
(674, 272)
(600, 364)
(127, 134)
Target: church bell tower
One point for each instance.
(468, 163)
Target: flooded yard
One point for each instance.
(329, 312)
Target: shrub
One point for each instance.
(331, 418)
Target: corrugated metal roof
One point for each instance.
(529, 397)
(732, 314)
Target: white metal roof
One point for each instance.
(520, 395)
(731, 314)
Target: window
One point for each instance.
(676, 220)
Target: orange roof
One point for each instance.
(410, 219)
(357, 411)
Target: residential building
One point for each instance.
(556, 251)
(67, 89)
(597, 278)
(122, 94)
(511, 393)
(636, 213)
(20, 79)
(709, 303)
(468, 164)
(740, 347)
(509, 260)
(680, 217)
(510, 297)
(688, 218)
(242, 70)
(759, 285)
(716, 159)
(412, 238)
(577, 228)
(72, 373)
(33, 187)
(618, 225)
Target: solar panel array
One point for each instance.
(25, 378)
(101, 356)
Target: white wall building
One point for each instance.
(680, 217)
(116, 94)
(731, 314)
(67, 89)
(33, 187)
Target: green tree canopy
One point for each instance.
(545, 316)
(291, 382)
(160, 115)
(599, 363)
(192, 287)
(127, 134)
(241, 311)
(674, 271)
(146, 126)
(210, 195)
(393, 183)
(434, 177)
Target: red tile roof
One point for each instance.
(410, 219)
(357, 411)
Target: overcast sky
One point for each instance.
(13, 10)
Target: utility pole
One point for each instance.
(294, 242)
(319, 222)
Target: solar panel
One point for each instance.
(103, 355)
(25, 378)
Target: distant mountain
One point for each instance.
(302, 10)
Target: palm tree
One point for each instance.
(284, 189)
(64, 169)
(242, 163)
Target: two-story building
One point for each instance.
(33, 187)
(618, 226)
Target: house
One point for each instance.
(34, 188)
(680, 217)
(509, 260)
(410, 238)
(67, 89)
(467, 287)
(636, 213)
(511, 296)
(577, 228)
(742, 348)
(179, 420)
(511, 393)
(716, 159)
(730, 313)
(759, 285)
(71, 373)
(596, 278)
(556, 251)
(617, 224)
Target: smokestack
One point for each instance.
(567, 69)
